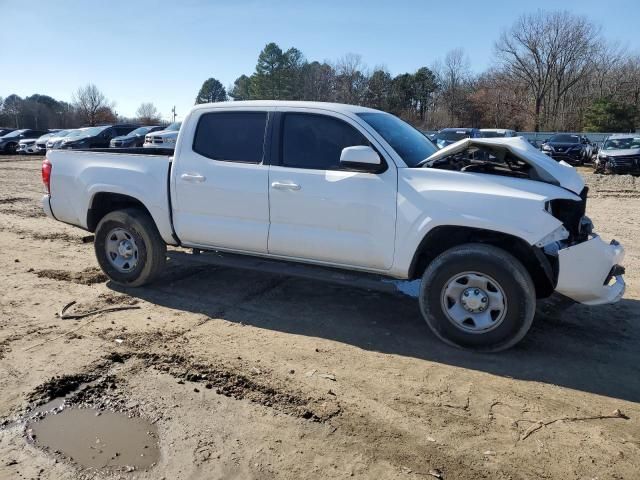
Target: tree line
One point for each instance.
(89, 106)
(550, 71)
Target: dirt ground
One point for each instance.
(249, 375)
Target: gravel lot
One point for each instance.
(249, 375)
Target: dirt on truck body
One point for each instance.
(220, 373)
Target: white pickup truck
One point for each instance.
(489, 225)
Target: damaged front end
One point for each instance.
(579, 264)
(587, 269)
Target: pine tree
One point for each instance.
(211, 91)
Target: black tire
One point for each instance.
(512, 278)
(151, 249)
(10, 148)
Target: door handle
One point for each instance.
(285, 186)
(193, 177)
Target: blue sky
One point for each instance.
(160, 51)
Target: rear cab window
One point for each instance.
(231, 136)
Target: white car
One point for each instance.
(27, 146)
(41, 143)
(310, 188)
(164, 138)
(55, 143)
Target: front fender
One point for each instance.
(429, 198)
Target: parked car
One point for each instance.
(447, 136)
(572, 148)
(135, 138)
(497, 133)
(27, 146)
(305, 185)
(619, 154)
(41, 143)
(164, 138)
(55, 141)
(96, 137)
(9, 142)
(4, 131)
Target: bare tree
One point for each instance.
(147, 114)
(453, 75)
(90, 102)
(551, 52)
(351, 79)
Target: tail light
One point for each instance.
(46, 174)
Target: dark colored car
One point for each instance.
(9, 142)
(135, 138)
(97, 137)
(570, 147)
(447, 136)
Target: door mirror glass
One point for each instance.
(360, 158)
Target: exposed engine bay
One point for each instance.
(485, 160)
(511, 157)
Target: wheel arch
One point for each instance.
(103, 203)
(542, 268)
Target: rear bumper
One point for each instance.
(585, 272)
(46, 206)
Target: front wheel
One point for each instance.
(478, 297)
(129, 247)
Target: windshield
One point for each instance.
(412, 146)
(139, 131)
(452, 135)
(15, 133)
(621, 143)
(93, 131)
(76, 133)
(564, 138)
(175, 126)
(493, 134)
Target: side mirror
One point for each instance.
(360, 158)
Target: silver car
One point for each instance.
(620, 153)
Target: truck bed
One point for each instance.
(78, 175)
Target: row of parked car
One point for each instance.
(31, 141)
(619, 153)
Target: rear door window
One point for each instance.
(316, 141)
(231, 136)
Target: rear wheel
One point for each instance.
(129, 247)
(478, 297)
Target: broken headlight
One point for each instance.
(571, 214)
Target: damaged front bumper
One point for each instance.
(590, 272)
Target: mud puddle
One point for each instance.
(97, 439)
(88, 276)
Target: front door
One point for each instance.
(321, 212)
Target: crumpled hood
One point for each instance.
(546, 169)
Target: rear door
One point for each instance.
(320, 211)
(220, 181)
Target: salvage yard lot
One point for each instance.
(250, 375)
